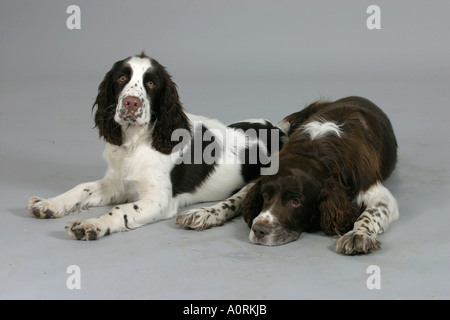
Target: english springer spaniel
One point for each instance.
(330, 178)
(159, 157)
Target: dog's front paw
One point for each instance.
(357, 242)
(42, 208)
(199, 219)
(85, 230)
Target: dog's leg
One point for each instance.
(97, 193)
(124, 217)
(381, 210)
(214, 216)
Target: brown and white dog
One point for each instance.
(330, 178)
(160, 158)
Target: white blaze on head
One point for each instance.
(136, 88)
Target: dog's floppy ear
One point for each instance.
(337, 212)
(168, 116)
(106, 108)
(252, 205)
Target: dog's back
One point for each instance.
(361, 117)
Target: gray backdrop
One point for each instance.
(231, 60)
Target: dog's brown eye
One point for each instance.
(122, 79)
(150, 84)
(295, 202)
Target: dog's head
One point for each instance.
(298, 198)
(138, 91)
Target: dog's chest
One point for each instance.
(139, 163)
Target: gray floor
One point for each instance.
(47, 145)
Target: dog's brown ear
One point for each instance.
(168, 116)
(252, 205)
(106, 108)
(337, 212)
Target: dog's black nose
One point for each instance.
(261, 229)
(131, 104)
